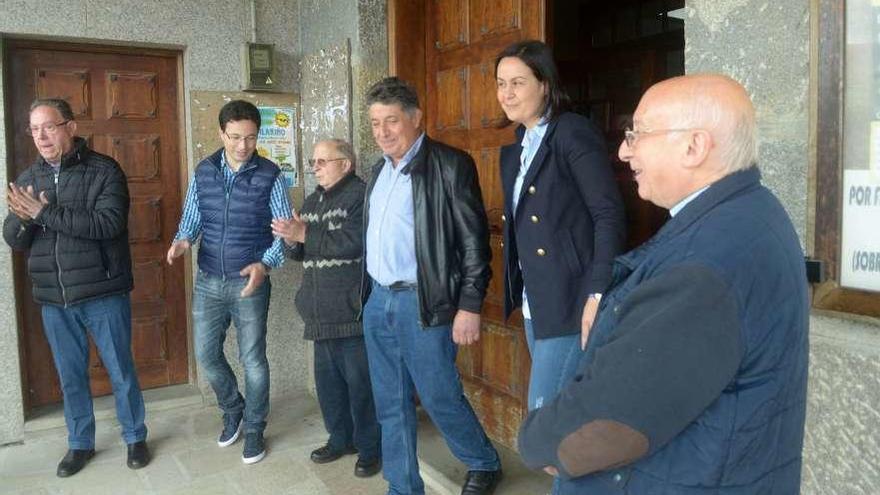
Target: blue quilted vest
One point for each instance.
(236, 226)
(749, 440)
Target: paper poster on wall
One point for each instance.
(860, 243)
(277, 140)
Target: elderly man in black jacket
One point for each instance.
(427, 267)
(328, 237)
(70, 209)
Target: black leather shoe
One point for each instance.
(481, 482)
(73, 461)
(138, 455)
(366, 468)
(325, 454)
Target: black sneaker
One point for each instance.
(254, 449)
(231, 429)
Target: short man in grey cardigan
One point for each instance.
(327, 236)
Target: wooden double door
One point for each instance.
(447, 48)
(126, 105)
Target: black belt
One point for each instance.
(401, 285)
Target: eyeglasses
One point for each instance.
(235, 138)
(631, 136)
(320, 162)
(50, 129)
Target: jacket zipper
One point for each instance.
(58, 258)
(314, 277)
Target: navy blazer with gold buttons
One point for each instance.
(568, 226)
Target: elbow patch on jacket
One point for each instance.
(621, 445)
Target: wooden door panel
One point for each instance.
(139, 155)
(145, 220)
(132, 95)
(148, 337)
(126, 103)
(490, 19)
(488, 169)
(71, 84)
(486, 113)
(452, 93)
(452, 24)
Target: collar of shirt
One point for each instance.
(408, 156)
(681, 204)
(532, 137)
(224, 164)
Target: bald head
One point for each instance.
(717, 104)
(689, 132)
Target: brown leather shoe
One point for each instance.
(73, 461)
(481, 482)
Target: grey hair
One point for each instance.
(57, 103)
(393, 90)
(735, 131)
(345, 149)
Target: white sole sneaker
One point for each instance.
(255, 459)
(232, 439)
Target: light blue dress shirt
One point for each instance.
(391, 245)
(681, 204)
(530, 143)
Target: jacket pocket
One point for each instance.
(569, 251)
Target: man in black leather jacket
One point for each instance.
(427, 270)
(70, 211)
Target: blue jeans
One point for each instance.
(405, 358)
(108, 321)
(216, 303)
(342, 378)
(554, 362)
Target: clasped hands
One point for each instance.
(24, 203)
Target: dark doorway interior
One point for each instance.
(609, 53)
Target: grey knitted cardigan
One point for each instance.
(329, 298)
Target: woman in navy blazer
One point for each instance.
(563, 216)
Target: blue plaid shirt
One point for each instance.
(191, 223)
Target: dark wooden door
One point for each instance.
(126, 106)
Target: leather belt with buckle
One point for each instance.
(401, 285)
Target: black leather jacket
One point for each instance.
(451, 232)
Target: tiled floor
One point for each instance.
(186, 459)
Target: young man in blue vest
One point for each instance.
(231, 201)
(695, 375)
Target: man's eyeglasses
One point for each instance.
(320, 162)
(235, 138)
(631, 136)
(50, 129)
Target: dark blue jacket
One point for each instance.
(236, 229)
(695, 375)
(568, 227)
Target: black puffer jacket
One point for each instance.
(79, 242)
(451, 232)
